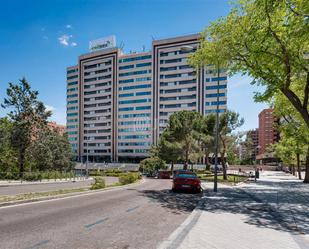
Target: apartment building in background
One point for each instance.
(268, 134)
(118, 104)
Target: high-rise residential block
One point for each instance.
(118, 104)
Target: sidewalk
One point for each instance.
(270, 214)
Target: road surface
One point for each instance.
(138, 216)
(45, 187)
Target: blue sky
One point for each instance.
(39, 39)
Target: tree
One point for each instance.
(183, 128)
(27, 114)
(228, 122)
(267, 40)
(206, 136)
(50, 151)
(168, 149)
(152, 164)
(8, 158)
(294, 135)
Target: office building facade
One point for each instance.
(121, 102)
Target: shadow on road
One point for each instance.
(176, 203)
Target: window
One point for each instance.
(72, 77)
(220, 78)
(72, 95)
(133, 101)
(142, 108)
(134, 87)
(126, 95)
(125, 109)
(72, 83)
(134, 73)
(126, 81)
(72, 102)
(72, 71)
(138, 115)
(215, 87)
(143, 79)
(212, 95)
(216, 103)
(144, 57)
(143, 64)
(126, 67)
(142, 93)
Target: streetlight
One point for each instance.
(187, 48)
(86, 168)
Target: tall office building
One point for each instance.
(119, 104)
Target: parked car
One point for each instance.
(164, 174)
(188, 181)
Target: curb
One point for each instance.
(63, 196)
(175, 239)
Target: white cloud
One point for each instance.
(58, 115)
(50, 108)
(68, 26)
(65, 40)
(45, 37)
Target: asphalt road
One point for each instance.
(138, 216)
(45, 187)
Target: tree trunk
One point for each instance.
(306, 180)
(298, 166)
(21, 163)
(172, 167)
(207, 161)
(293, 169)
(185, 166)
(223, 165)
(192, 167)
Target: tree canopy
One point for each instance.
(267, 40)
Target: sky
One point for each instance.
(40, 39)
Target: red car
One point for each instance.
(186, 181)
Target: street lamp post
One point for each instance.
(217, 134)
(87, 158)
(188, 48)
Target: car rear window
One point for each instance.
(186, 176)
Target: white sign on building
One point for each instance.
(102, 43)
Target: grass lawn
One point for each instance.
(230, 178)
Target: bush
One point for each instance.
(98, 184)
(128, 178)
(152, 164)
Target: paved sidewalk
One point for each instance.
(270, 214)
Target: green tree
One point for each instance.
(294, 135)
(229, 121)
(50, 151)
(27, 114)
(267, 40)
(183, 127)
(8, 157)
(168, 149)
(152, 164)
(207, 136)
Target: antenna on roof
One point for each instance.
(143, 48)
(121, 46)
(152, 38)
